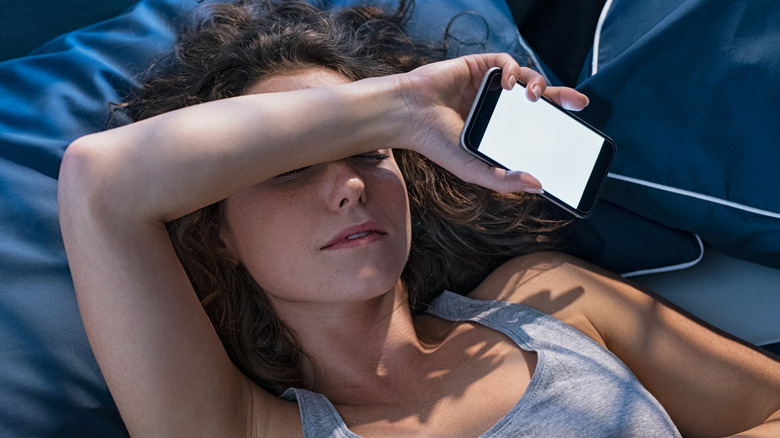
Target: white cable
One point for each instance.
(670, 268)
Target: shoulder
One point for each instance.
(546, 274)
(565, 287)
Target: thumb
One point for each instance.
(501, 180)
(517, 180)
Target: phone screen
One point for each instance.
(566, 155)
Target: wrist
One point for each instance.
(388, 112)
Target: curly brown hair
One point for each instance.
(461, 232)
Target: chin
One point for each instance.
(370, 283)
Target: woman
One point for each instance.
(280, 203)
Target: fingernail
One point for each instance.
(537, 91)
(512, 81)
(528, 183)
(568, 106)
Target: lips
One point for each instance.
(355, 236)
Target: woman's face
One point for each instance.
(331, 232)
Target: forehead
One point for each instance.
(298, 79)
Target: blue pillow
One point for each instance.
(472, 26)
(51, 385)
(688, 91)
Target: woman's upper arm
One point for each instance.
(709, 383)
(162, 360)
(160, 355)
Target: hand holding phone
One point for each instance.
(569, 157)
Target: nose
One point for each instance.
(347, 188)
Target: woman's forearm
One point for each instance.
(172, 164)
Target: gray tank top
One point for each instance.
(578, 389)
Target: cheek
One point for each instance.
(265, 234)
(396, 198)
(390, 191)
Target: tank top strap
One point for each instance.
(319, 417)
(528, 327)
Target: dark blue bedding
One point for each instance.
(51, 384)
(689, 91)
(686, 88)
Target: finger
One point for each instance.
(535, 84)
(505, 181)
(527, 181)
(481, 63)
(511, 73)
(568, 98)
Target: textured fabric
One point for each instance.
(467, 26)
(51, 384)
(578, 389)
(688, 90)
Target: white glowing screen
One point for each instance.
(538, 138)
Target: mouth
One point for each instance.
(356, 236)
(359, 235)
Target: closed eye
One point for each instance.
(378, 155)
(291, 173)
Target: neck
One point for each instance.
(362, 347)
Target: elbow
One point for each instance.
(74, 170)
(77, 155)
(75, 166)
(80, 184)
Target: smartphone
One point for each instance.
(568, 156)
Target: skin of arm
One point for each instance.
(159, 354)
(709, 383)
(162, 360)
